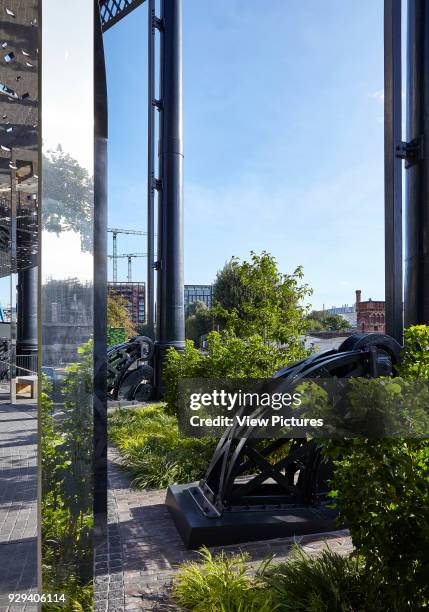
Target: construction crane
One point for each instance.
(115, 231)
(130, 257)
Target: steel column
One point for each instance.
(393, 169)
(170, 304)
(100, 277)
(150, 299)
(417, 181)
(26, 339)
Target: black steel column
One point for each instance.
(393, 169)
(417, 183)
(170, 304)
(100, 272)
(26, 338)
(150, 297)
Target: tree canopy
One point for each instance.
(199, 321)
(261, 300)
(320, 320)
(68, 192)
(117, 313)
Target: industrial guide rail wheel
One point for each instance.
(243, 495)
(129, 373)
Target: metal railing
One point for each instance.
(26, 364)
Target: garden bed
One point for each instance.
(153, 452)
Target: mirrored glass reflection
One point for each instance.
(67, 302)
(19, 184)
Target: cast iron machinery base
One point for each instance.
(252, 490)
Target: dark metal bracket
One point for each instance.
(158, 104)
(412, 152)
(157, 184)
(158, 24)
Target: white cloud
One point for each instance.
(378, 95)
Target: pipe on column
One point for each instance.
(417, 176)
(170, 303)
(393, 169)
(150, 297)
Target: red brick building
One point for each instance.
(370, 314)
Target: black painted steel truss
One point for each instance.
(112, 11)
(242, 477)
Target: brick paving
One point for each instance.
(136, 565)
(18, 502)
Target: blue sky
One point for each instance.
(283, 139)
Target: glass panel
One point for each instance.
(19, 111)
(67, 301)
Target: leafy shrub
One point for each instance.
(415, 355)
(382, 491)
(227, 356)
(66, 504)
(383, 494)
(220, 584)
(326, 583)
(152, 450)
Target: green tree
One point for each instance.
(270, 304)
(199, 321)
(319, 320)
(226, 356)
(68, 195)
(228, 290)
(117, 313)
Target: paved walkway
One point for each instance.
(18, 505)
(136, 567)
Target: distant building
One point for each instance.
(135, 294)
(199, 293)
(347, 312)
(67, 319)
(370, 314)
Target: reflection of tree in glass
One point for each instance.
(68, 193)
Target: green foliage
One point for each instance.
(382, 488)
(199, 321)
(226, 356)
(152, 450)
(415, 356)
(115, 335)
(228, 290)
(268, 304)
(220, 584)
(382, 491)
(319, 320)
(118, 315)
(66, 506)
(326, 583)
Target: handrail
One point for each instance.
(20, 367)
